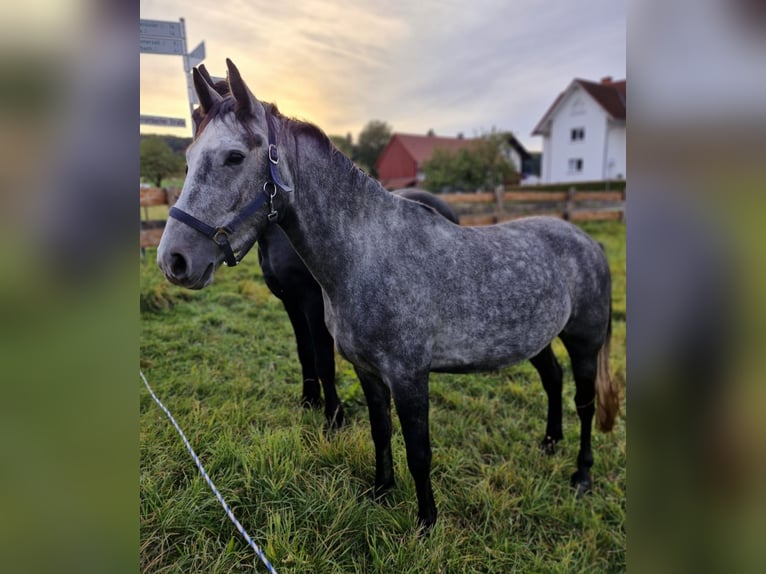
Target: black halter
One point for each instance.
(220, 235)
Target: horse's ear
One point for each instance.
(246, 101)
(205, 93)
(206, 75)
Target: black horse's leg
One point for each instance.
(324, 360)
(411, 399)
(584, 368)
(550, 372)
(379, 407)
(311, 397)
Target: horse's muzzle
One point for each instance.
(176, 268)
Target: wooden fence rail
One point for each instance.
(151, 230)
(486, 208)
(482, 208)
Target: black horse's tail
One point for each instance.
(607, 393)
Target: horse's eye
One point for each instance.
(234, 158)
(186, 169)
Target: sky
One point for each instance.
(454, 67)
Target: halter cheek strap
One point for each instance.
(220, 235)
(274, 157)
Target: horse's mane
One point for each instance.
(339, 161)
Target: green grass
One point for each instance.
(223, 360)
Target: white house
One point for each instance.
(584, 133)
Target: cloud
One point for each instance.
(417, 65)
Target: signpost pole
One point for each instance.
(187, 72)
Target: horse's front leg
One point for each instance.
(551, 375)
(378, 398)
(411, 399)
(584, 366)
(324, 358)
(310, 398)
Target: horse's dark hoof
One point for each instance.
(311, 402)
(312, 398)
(425, 525)
(548, 445)
(335, 421)
(379, 492)
(581, 482)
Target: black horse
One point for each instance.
(289, 280)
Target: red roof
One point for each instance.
(610, 95)
(421, 148)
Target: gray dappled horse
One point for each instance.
(288, 278)
(291, 282)
(406, 292)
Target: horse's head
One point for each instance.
(234, 172)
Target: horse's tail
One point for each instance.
(607, 393)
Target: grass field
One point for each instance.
(223, 360)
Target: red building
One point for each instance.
(399, 164)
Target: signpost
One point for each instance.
(163, 121)
(160, 28)
(173, 46)
(163, 37)
(197, 55)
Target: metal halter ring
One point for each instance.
(266, 191)
(217, 237)
(273, 158)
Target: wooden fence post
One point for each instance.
(622, 212)
(569, 208)
(499, 207)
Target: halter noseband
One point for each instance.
(220, 235)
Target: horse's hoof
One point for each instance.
(311, 397)
(335, 421)
(425, 525)
(548, 445)
(581, 482)
(311, 402)
(379, 492)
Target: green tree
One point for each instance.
(372, 139)
(345, 144)
(483, 164)
(157, 160)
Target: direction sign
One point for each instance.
(197, 55)
(163, 121)
(161, 29)
(172, 46)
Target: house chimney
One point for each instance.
(606, 80)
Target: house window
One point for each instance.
(575, 165)
(577, 134)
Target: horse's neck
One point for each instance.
(336, 212)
